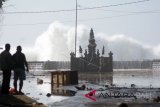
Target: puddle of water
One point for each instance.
(63, 92)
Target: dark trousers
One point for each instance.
(6, 81)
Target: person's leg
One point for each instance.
(15, 80)
(15, 84)
(20, 86)
(22, 77)
(6, 81)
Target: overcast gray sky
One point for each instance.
(139, 21)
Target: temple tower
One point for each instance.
(92, 61)
(92, 45)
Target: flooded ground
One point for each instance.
(145, 81)
(141, 78)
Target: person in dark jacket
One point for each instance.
(6, 67)
(19, 64)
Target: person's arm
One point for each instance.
(26, 64)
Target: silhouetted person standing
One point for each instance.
(19, 61)
(6, 67)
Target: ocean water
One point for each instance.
(141, 78)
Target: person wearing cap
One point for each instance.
(19, 65)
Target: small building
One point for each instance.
(62, 78)
(91, 61)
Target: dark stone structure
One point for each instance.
(92, 61)
(62, 78)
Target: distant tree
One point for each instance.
(80, 50)
(98, 52)
(1, 3)
(85, 54)
(103, 50)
